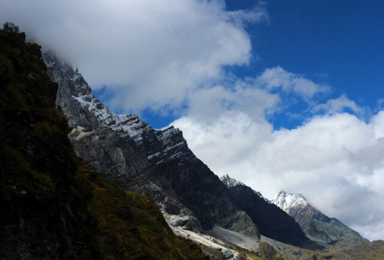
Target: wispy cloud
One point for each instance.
(258, 13)
(278, 78)
(338, 105)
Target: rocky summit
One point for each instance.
(329, 232)
(156, 163)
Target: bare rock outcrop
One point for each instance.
(157, 163)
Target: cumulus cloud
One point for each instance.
(149, 53)
(210, 104)
(256, 97)
(335, 160)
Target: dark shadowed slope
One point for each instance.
(271, 221)
(54, 206)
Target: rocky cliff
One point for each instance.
(327, 231)
(157, 163)
(53, 205)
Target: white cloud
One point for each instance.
(278, 78)
(334, 160)
(149, 53)
(257, 97)
(339, 105)
(254, 15)
(210, 104)
(227, 142)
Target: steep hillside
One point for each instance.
(53, 205)
(317, 226)
(270, 219)
(157, 163)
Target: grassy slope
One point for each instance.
(371, 251)
(55, 205)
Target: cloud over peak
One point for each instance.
(172, 56)
(149, 52)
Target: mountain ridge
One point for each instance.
(157, 163)
(327, 231)
(271, 220)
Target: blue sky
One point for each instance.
(339, 44)
(277, 94)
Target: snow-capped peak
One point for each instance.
(286, 201)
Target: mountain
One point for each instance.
(271, 221)
(57, 206)
(155, 163)
(54, 205)
(318, 227)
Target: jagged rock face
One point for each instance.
(151, 162)
(317, 226)
(271, 221)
